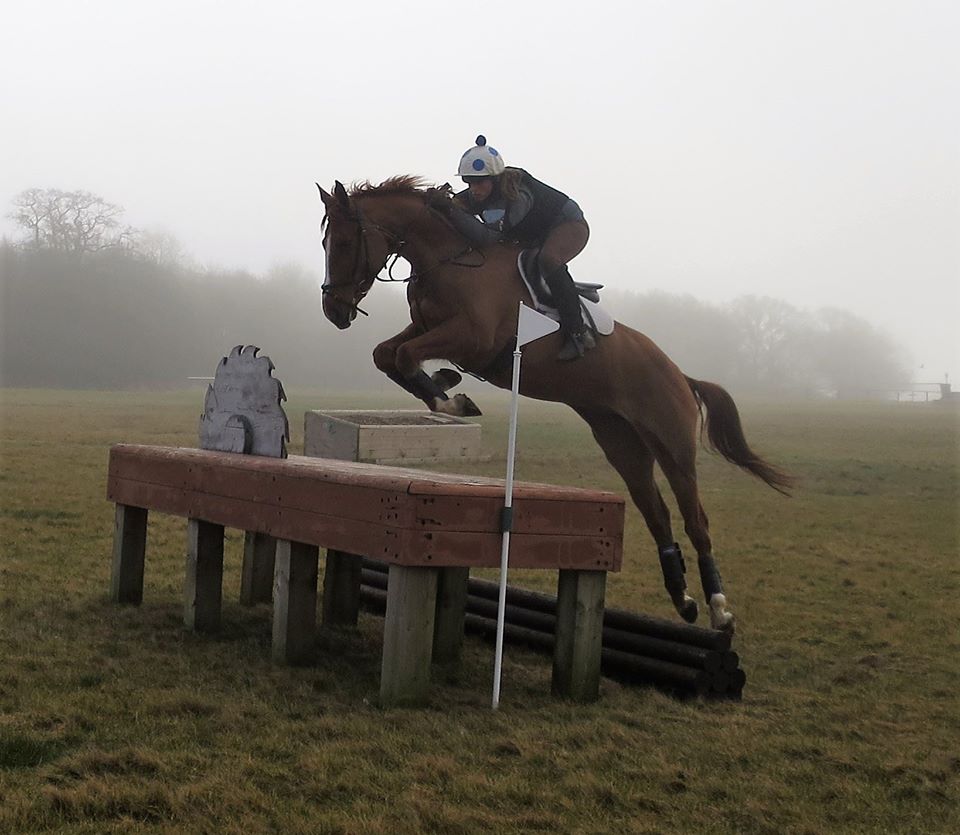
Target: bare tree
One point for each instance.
(70, 221)
(162, 248)
(771, 334)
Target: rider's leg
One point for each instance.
(567, 301)
(565, 241)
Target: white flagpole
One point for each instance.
(530, 326)
(506, 523)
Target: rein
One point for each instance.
(441, 263)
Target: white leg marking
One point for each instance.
(720, 618)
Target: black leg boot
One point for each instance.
(674, 568)
(567, 301)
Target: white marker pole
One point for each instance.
(530, 326)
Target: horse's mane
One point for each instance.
(401, 184)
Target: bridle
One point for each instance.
(396, 241)
(362, 252)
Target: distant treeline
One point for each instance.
(118, 318)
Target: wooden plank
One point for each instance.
(579, 637)
(568, 529)
(294, 489)
(341, 589)
(417, 443)
(369, 539)
(415, 547)
(399, 479)
(482, 550)
(408, 635)
(294, 602)
(203, 588)
(451, 612)
(329, 437)
(174, 458)
(256, 579)
(129, 550)
(531, 515)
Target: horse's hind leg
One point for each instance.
(683, 482)
(633, 459)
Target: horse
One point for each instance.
(464, 304)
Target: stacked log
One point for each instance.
(637, 649)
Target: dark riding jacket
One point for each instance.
(527, 219)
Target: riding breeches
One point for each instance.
(562, 244)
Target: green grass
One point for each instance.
(114, 719)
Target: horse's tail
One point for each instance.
(725, 432)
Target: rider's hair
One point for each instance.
(510, 183)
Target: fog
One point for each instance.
(808, 152)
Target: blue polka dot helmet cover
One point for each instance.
(481, 161)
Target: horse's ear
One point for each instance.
(327, 199)
(341, 194)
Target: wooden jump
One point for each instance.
(430, 528)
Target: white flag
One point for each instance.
(533, 325)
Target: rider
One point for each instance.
(507, 204)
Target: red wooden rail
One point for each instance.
(401, 516)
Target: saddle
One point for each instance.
(594, 316)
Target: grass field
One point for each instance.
(114, 719)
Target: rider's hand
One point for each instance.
(439, 198)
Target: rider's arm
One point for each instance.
(474, 230)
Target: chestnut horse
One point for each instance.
(463, 307)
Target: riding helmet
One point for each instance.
(481, 161)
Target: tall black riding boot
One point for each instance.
(567, 301)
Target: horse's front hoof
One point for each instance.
(458, 406)
(466, 407)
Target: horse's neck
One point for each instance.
(427, 237)
(439, 253)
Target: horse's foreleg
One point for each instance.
(450, 340)
(419, 384)
(633, 459)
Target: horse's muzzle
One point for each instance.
(338, 312)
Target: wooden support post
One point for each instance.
(294, 601)
(408, 635)
(579, 636)
(341, 589)
(451, 614)
(256, 581)
(129, 549)
(203, 589)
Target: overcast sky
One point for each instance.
(804, 150)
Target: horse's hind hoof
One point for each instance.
(728, 623)
(689, 611)
(723, 622)
(720, 618)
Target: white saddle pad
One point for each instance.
(594, 315)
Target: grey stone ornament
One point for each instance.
(242, 411)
